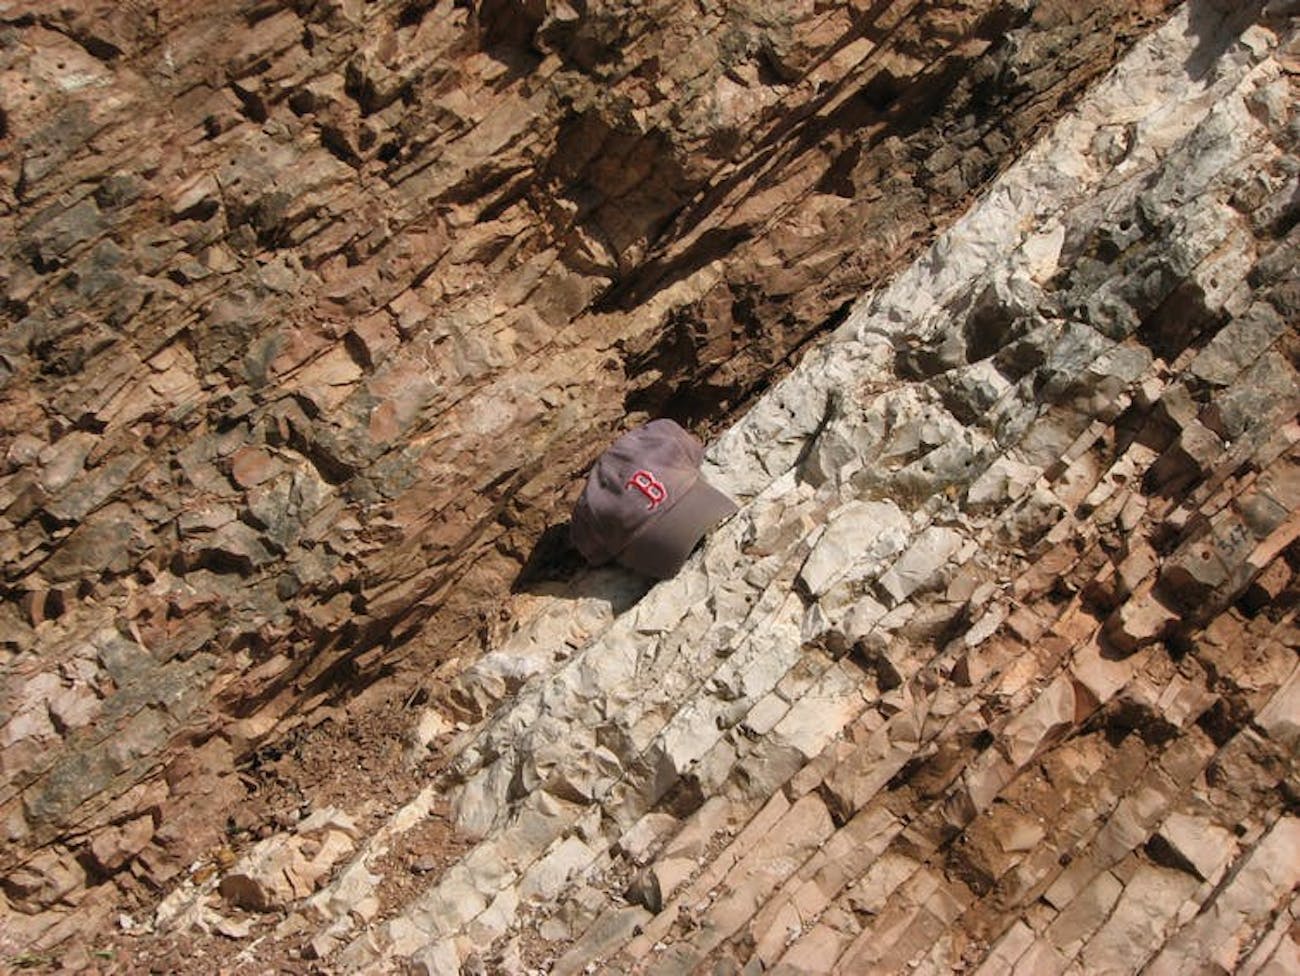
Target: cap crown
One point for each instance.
(638, 478)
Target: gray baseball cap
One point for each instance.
(645, 504)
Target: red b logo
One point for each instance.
(650, 486)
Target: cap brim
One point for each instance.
(662, 548)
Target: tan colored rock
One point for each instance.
(252, 466)
(114, 848)
(1221, 934)
(1199, 842)
(286, 868)
(45, 879)
(1137, 925)
(1085, 914)
(1143, 619)
(1280, 718)
(921, 565)
(1050, 715)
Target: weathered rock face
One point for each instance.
(995, 669)
(318, 310)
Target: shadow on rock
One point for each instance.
(556, 569)
(552, 565)
(1217, 25)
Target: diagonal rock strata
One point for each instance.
(978, 709)
(1018, 540)
(316, 310)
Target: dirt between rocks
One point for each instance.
(361, 761)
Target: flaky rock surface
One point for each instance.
(318, 311)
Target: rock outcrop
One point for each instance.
(319, 309)
(979, 677)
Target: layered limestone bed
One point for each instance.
(996, 668)
(318, 310)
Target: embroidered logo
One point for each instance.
(650, 486)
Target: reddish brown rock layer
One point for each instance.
(317, 309)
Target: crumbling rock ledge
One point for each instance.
(317, 309)
(995, 669)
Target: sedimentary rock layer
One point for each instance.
(996, 668)
(315, 310)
